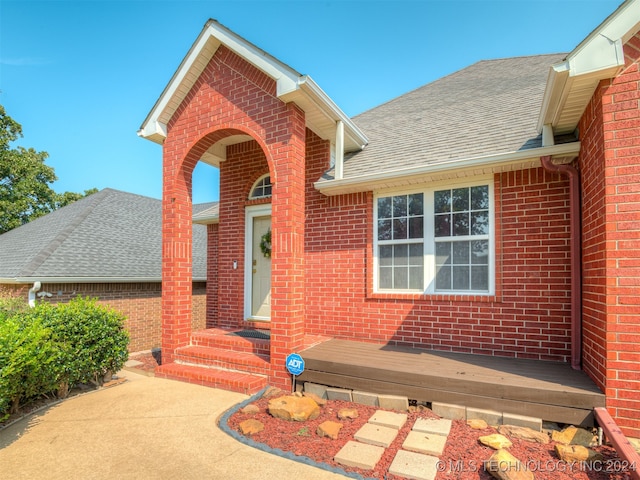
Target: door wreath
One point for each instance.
(265, 244)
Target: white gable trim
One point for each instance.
(322, 113)
(571, 84)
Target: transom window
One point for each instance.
(262, 188)
(437, 240)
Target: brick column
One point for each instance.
(212, 276)
(288, 220)
(176, 254)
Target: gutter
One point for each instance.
(576, 273)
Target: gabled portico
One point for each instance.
(235, 107)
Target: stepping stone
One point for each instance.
(388, 419)
(414, 465)
(440, 426)
(376, 435)
(360, 455)
(132, 363)
(427, 443)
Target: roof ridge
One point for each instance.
(92, 201)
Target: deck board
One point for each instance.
(549, 390)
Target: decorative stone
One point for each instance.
(250, 409)
(272, 392)
(504, 466)
(495, 441)
(251, 427)
(575, 436)
(524, 433)
(320, 401)
(577, 453)
(329, 429)
(477, 424)
(298, 409)
(349, 413)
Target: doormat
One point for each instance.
(259, 334)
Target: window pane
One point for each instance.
(415, 278)
(480, 198)
(443, 278)
(416, 254)
(386, 277)
(442, 201)
(416, 229)
(384, 207)
(386, 256)
(480, 278)
(401, 277)
(400, 228)
(416, 204)
(443, 253)
(461, 278)
(400, 206)
(479, 223)
(401, 254)
(267, 191)
(460, 199)
(384, 229)
(460, 224)
(443, 225)
(480, 252)
(461, 253)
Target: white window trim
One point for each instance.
(428, 239)
(255, 184)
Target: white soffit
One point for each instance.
(571, 84)
(321, 112)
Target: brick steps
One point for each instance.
(246, 383)
(216, 359)
(217, 338)
(223, 358)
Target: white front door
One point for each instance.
(258, 273)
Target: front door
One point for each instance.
(261, 269)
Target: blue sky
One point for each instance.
(81, 76)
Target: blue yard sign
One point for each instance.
(295, 364)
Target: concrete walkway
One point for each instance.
(145, 428)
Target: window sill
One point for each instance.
(436, 297)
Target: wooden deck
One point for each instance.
(548, 390)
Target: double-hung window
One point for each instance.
(435, 241)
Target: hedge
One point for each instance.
(51, 348)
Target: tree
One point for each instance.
(25, 191)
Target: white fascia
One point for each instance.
(599, 56)
(425, 173)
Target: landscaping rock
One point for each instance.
(577, 453)
(477, 423)
(329, 429)
(251, 427)
(504, 466)
(575, 436)
(298, 409)
(272, 392)
(250, 409)
(495, 441)
(320, 401)
(524, 433)
(349, 413)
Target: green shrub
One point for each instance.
(27, 360)
(91, 339)
(11, 304)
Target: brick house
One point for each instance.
(105, 246)
(493, 212)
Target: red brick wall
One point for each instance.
(138, 302)
(529, 317)
(610, 167)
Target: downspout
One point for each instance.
(339, 150)
(32, 294)
(576, 273)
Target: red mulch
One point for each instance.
(463, 457)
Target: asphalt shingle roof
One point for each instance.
(110, 234)
(488, 108)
